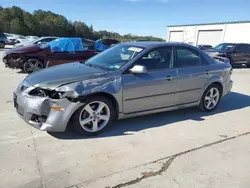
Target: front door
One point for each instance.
(154, 89)
(193, 75)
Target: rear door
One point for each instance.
(193, 75)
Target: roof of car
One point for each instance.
(154, 43)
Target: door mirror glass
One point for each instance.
(139, 69)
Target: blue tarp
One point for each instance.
(66, 45)
(99, 46)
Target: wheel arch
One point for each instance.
(106, 95)
(27, 57)
(219, 84)
(216, 82)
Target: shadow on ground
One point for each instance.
(232, 101)
(20, 71)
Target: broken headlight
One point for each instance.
(46, 93)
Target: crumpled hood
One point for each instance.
(24, 49)
(56, 76)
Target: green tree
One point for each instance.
(47, 23)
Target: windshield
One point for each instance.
(115, 57)
(224, 46)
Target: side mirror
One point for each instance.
(139, 69)
(39, 42)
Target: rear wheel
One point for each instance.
(32, 65)
(94, 116)
(2, 44)
(210, 98)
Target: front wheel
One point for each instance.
(94, 116)
(32, 65)
(210, 98)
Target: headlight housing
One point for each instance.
(39, 92)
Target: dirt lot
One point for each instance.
(184, 148)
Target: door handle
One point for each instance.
(169, 78)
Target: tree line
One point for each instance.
(46, 23)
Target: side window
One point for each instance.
(186, 57)
(156, 59)
(242, 48)
(248, 48)
(46, 40)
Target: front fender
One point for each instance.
(80, 90)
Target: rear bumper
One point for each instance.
(227, 87)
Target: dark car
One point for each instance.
(35, 57)
(236, 53)
(204, 47)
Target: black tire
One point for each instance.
(75, 120)
(202, 105)
(2, 44)
(32, 65)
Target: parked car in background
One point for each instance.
(31, 38)
(11, 39)
(103, 44)
(204, 47)
(3, 40)
(127, 80)
(42, 40)
(236, 53)
(34, 57)
(21, 39)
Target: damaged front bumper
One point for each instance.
(12, 62)
(44, 113)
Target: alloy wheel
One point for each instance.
(33, 65)
(94, 116)
(212, 98)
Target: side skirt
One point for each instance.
(170, 108)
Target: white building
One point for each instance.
(210, 33)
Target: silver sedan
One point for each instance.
(127, 80)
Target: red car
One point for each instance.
(35, 57)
